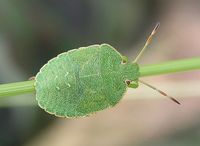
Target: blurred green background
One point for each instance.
(34, 31)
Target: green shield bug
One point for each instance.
(86, 80)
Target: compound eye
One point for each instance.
(124, 60)
(128, 82)
(131, 84)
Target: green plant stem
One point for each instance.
(170, 67)
(17, 88)
(13, 89)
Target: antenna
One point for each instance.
(148, 41)
(161, 92)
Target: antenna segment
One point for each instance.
(148, 41)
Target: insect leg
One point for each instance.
(161, 92)
(148, 41)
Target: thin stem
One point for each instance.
(17, 88)
(170, 67)
(13, 89)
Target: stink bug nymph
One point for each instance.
(86, 80)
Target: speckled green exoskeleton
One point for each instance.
(86, 80)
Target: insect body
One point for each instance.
(85, 80)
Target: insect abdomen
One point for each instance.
(80, 82)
